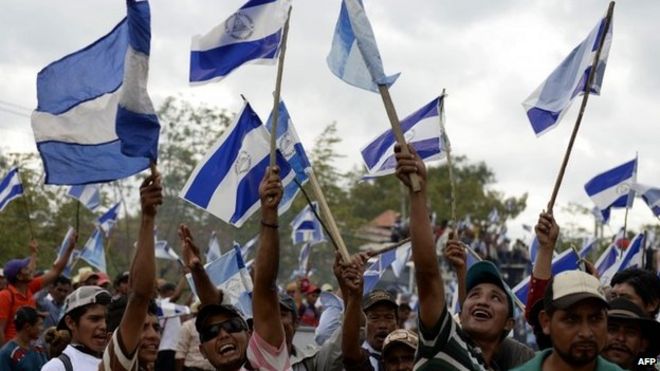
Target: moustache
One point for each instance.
(618, 346)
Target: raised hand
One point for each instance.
(190, 253)
(456, 255)
(407, 164)
(151, 194)
(270, 188)
(547, 231)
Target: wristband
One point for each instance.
(274, 226)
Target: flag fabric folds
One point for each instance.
(303, 259)
(402, 255)
(421, 129)
(74, 255)
(93, 252)
(214, 251)
(229, 274)
(650, 195)
(251, 35)
(10, 188)
(547, 105)
(632, 257)
(567, 260)
(162, 250)
(167, 309)
(109, 219)
(226, 182)
(289, 144)
(306, 228)
(88, 103)
(613, 188)
(89, 195)
(354, 56)
(606, 259)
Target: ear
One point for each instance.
(509, 324)
(544, 320)
(69, 323)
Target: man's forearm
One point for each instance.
(351, 330)
(143, 267)
(543, 264)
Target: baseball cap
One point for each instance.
(312, 288)
(327, 287)
(209, 310)
(486, 272)
(287, 302)
(377, 296)
(103, 278)
(400, 336)
(624, 309)
(13, 267)
(570, 287)
(82, 296)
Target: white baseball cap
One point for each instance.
(569, 287)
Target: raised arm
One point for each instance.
(427, 274)
(547, 232)
(265, 303)
(457, 256)
(351, 282)
(143, 267)
(59, 265)
(207, 292)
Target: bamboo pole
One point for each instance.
(447, 148)
(276, 94)
(585, 98)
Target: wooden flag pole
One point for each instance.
(396, 129)
(327, 216)
(276, 94)
(585, 98)
(450, 166)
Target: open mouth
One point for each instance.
(150, 347)
(481, 314)
(227, 349)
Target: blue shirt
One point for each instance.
(15, 358)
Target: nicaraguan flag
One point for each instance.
(251, 35)
(494, 216)
(303, 259)
(567, 260)
(550, 101)
(166, 309)
(607, 259)
(93, 115)
(93, 252)
(226, 182)
(422, 129)
(354, 56)
(306, 228)
(162, 250)
(289, 144)
(89, 195)
(375, 271)
(402, 255)
(109, 219)
(631, 258)
(214, 251)
(613, 188)
(74, 255)
(650, 195)
(10, 188)
(587, 248)
(229, 274)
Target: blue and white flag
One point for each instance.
(631, 258)
(74, 255)
(303, 259)
(587, 248)
(93, 252)
(10, 187)
(166, 309)
(607, 259)
(92, 100)
(494, 216)
(229, 274)
(613, 188)
(422, 129)
(109, 219)
(567, 260)
(214, 251)
(547, 105)
(402, 255)
(650, 195)
(226, 182)
(306, 228)
(289, 144)
(375, 271)
(354, 56)
(251, 35)
(162, 250)
(534, 249)
(248, 246)
(89, 195)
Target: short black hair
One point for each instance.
(115, 311)
(645, 283)
(25, 316)
(62, 280)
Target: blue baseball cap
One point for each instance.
(13, 267)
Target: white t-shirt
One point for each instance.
(79, 360)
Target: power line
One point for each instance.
(14, 105)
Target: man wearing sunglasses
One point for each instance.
(224, 337)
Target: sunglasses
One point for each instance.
(231, 326)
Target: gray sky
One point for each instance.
(489, 55)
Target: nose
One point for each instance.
(586, 331)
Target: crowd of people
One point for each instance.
(90, 322)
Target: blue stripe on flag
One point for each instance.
(138, 133)
(220, 61)
(109, 164)
(62, 85)
(425, 148)
(10, 188)
(220, 163)
(139, 23)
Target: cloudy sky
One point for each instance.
(489, 55)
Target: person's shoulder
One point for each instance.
(55, 364)
(535, 363)
(605, 365)
(6, 349)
